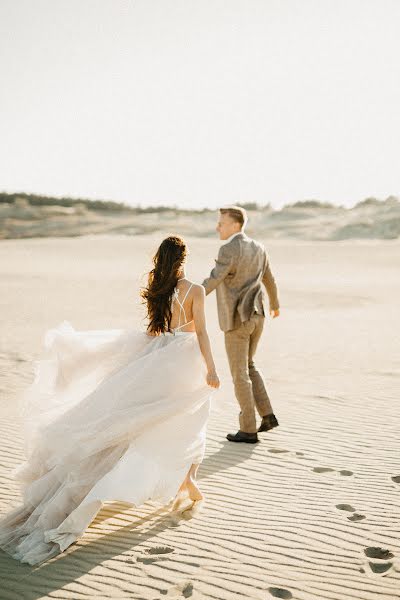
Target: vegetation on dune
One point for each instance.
(254, 206)
(37, 200)
(376, 202)
(97, 205)
(311, 204)
(112, 206)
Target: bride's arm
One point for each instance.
(199, 319)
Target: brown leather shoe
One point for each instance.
(242, 436)
(268, 422)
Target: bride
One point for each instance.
(115, 415)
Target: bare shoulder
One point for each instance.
(198, 291)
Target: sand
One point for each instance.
(312, 512)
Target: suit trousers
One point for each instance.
(250, 391)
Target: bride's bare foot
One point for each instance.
(188, 497)
(186, 508)
(193, 491)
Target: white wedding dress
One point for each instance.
(111, 416)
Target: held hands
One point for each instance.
(274, 313)
(213, 379)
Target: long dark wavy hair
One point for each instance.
(162, 281)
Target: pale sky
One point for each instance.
(201, 103)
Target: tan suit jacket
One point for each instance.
(242, 267)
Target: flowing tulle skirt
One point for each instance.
(111, 415)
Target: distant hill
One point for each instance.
(29, 215)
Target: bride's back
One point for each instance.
(182, 307)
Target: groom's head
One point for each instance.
(232, 219)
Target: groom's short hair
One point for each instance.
(237, 213)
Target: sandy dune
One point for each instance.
(309, 220)
(312, 512)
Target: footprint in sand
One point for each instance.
(354, 517)
(380, 568)
(322, 470)
(160, 550)
(382, 555)
(357, 517)
(377, 552)
(150, 561)
(184, 590)
(280, 593)
(303, 456)
(187, 590)
(343, 472)
(347, 507)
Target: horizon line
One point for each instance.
(249, 204)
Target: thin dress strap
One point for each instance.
(181, 307)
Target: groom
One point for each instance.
(241, 268)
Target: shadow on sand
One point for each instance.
(31, 583)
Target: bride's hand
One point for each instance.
(213, 379)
